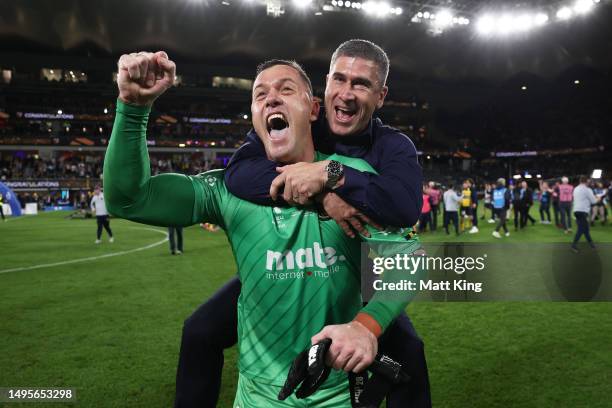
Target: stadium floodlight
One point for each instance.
(597, 173)
(318, 13)
(516, 176)
(443, 19)
(398, 11)
(59, 112)
(245, 116)
(420, 14)
(524, 22)
(564, 13)
(541, 19)
(505, 24)
(485, 25)
(334, 3)
(528, 176)
(583, 6)
(524, 88)
(302, 3)
(577, 82)
(538, 176)
(426, 15)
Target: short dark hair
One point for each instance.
(367, 50)
(584, 179)
(290, 63)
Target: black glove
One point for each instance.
(369, 392)
(309, 369)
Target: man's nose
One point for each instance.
(273, 98)
(346, 92)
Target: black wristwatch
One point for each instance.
(335, 171)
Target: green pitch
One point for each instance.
(106, 319)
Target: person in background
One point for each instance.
(555, 203)
(545, 196)
(451, 208)
(466, 205)
(488, 204)
(501, 203)
(565, 204)
(526, 196)
(435, 195)
(176, 245)
(425, 217)
(515, 197)
(599, 208)
(99, 207)
(474, 206)
(583, 199)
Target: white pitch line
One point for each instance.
(93, 258)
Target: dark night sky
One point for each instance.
(239, 34)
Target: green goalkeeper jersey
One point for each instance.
(299, 272)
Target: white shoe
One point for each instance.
(496, 234)
(507, 234)
(98, 241)
(111, 240)
(491, 221)
(178, 252)
(473, 230)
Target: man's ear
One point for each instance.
(314, 112)
(381, 96)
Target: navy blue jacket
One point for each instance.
(393, 197)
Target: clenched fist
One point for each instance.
(144, 76)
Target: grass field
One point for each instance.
(106, 319)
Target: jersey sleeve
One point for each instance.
(131, 193)
(385, 306)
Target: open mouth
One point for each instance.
(277, 124)
(344, 114)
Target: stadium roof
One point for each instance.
(239, 32)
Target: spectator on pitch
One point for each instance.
(583, 199)
(598, 211)
(98, 206)
(474, 206)
(435, 195)
(451, 208)
(176, 243)
(565, 204)
(425, 217)
(488, 203)
(516, 205)
(501, 203)
(545, 197)
(466, 205)
(555, 203)
(526, 197)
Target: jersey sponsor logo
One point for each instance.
(302, 258)
(210, 180)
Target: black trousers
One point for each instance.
(566, 217)
(103, 222)
(1, 211)
(213, 328)
(451, 216)
(178, 242)
(544, 210)
(556, 211)
(501, 215)
(582, 221)
(434, 216)
(516, 209)
(526, 216)
(424, 221)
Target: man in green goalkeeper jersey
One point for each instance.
(300, 274)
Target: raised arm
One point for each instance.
(131, 192)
